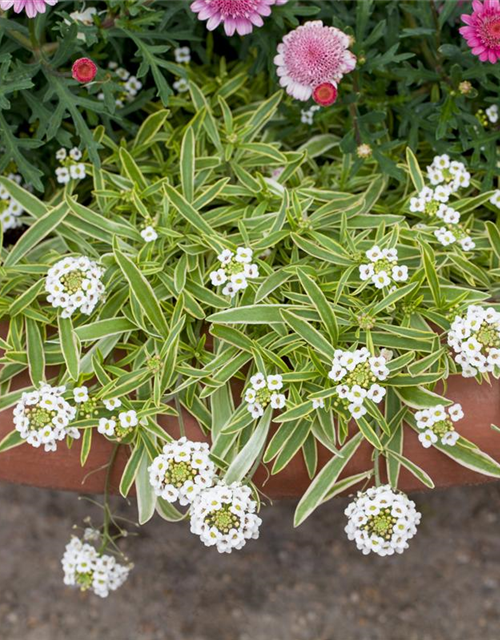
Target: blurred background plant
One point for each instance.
(416, 81)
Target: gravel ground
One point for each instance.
(304, 584)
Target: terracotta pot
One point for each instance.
(62, 470)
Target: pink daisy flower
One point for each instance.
(32, 7)
(312, 57)
(237, 15)
(482, 32)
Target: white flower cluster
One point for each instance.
(85, 17)
(149, 234)
(495, 199)
(235, 271)
(382, 520)
(225, 516)
(182, 55)
(447, 176)
(475, 339)
(383, 268)
(451, 173)
(181, 85)
(182, 471)
(130, 85)
(492, 113)
(10, 209)
(43, 417)
(75, 284)
(71, 168)
(436, 425)
(84, 567)
(118, 427)
(307, 115)
(263, 391)
(358, 372)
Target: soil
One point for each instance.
(304, 584)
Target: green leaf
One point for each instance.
(419, 473)
(27, 200)
(36, 354)
(131, 468)
(146, 498)
(323, 307)
(86, 445)
(346, 483)
(368, 432)
(150, 127)
(142, 292)
(252, 314)
(132, 170)
(246, 458)
(414, 169)
(11, 440)
(325, 480)
(70, 346)
(420, 398)
(187, 164)
(188, 212)
(311, 335)
(37, 232)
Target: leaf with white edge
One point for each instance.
(311, 335)
(325, 481)
(131, 468)
(11, 440)
(245, 459)
(346, 483)
(420, 398)
(143, 293)
(146, 498)
(86, 445)
(414, 169)
(419, 473)
(70, 346)
(168, 512)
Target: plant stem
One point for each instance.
(107, 512)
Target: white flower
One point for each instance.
(181, 471)
(225, 257)
(366, 271)
(318, 403)
(62, 175)
(376, 393)
(229, 290)
(44, 416)
(149, 234)
(225, 516)
(456, 412)
(250, 396)
(277, 401)
(450, 216)
(239, 281)
(381, 520)
(132, 87)
(374, 254)
(444, 236)
(77, 171)
(80, 394)
(275, 382)
(357, 394)
(112, 403)
(256, 409)
(467, 244)
(128, 419)
(258, 381)
(181, 85)
(106, 426)
(182, 55)
(85, 568)
(495, 199)
(74, 284)
(427, 438)
(251, 270)
(75, 154)
(492, 113)
(61, 154)
(357, 410)
(450, 438)
(244, 255)
(442, 193)
(400, 273)
(218, 277)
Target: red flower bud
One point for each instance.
(84, 70)
(325, 94)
